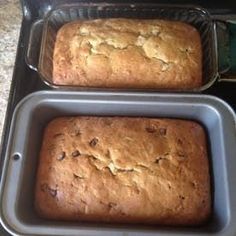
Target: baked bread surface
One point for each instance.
(131, 170)
(128, 53)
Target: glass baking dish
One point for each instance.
(61, 15)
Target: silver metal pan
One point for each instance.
(36, 110)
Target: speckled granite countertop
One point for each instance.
(10, 21)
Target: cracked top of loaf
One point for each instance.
(117, 169)
(128, 53)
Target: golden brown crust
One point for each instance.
(124, 170)
(128, 53)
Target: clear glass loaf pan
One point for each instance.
(61, 15)
(36, 110)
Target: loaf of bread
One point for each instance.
(120, 169)
(128, 53)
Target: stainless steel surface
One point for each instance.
(36, 110)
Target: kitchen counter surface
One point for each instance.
(10, 21)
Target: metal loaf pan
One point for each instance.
(61, 15)
(36, 110)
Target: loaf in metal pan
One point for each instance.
(121, 169)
